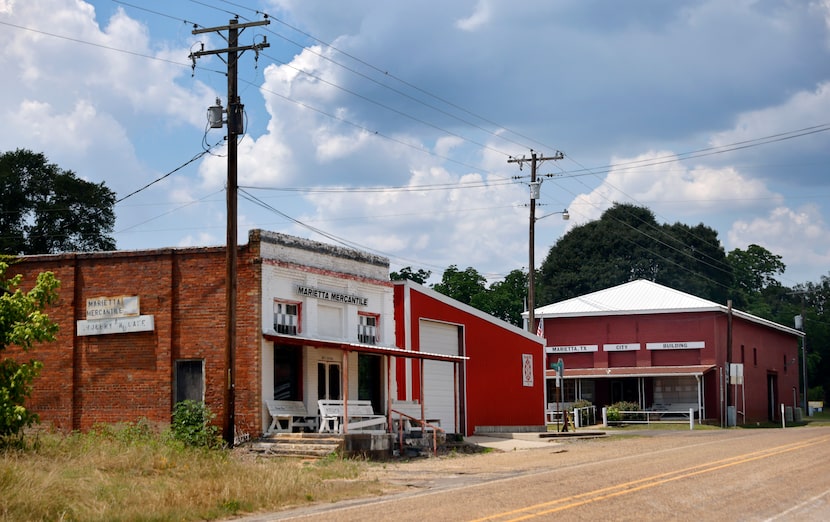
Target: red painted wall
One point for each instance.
(494, 392)
(770, 346)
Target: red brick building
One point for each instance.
(110, 377)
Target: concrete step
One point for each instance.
(297, 445)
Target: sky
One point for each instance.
(390, 126)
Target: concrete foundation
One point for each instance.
(368, 445)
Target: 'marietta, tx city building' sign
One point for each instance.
(111, 315)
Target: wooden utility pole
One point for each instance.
(535, 161)
(235, 123)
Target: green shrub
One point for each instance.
(15, 387)
(614, 410)
(191, 425)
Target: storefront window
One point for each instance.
(367, 330)
(286, 317)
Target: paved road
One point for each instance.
(702, 475)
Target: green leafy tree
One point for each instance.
(755, 268)
(406, 274)
(626, 244)
(812, 300)
(505, 299)
(44, 209)
(755, 287)
(462, 286)
(22, 323)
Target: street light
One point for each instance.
(565, 215)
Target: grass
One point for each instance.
(127, 474)
(661, 426)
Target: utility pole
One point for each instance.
(235, 123)
(535, 186)
(801, 324)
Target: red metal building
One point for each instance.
(663, 349)
(500, 386)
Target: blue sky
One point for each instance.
(389, 125)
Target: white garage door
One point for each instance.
(439, 386)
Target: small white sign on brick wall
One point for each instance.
(141, 323)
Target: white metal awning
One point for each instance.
(633, 371)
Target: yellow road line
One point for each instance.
(648, 482)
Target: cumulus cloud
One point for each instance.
(659, 180)
(417, 90)
(800, 236)
(479, 17)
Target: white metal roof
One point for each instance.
(642, 297)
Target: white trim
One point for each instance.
(470, 310)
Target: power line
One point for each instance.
(386, 74)
(337, 239)
(159, 13)
(699, 153)
(390, 109)
(366, 129)
(631, 165)
(170, 173)
(189, 203)
(101, 46)
(348, 91)
(392, 189)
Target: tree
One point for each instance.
(505, 299)
(22, 323)
(44, 209)
(461, 286)
(812, 300)
(406, 273)
(626, 244)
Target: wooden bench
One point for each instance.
(409, 412)
(361, 417)
(293, 413)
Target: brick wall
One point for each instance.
(129, 376)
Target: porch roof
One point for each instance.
(634, 371)
(393, 351)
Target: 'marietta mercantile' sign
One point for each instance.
(112, 315)
(328, 295)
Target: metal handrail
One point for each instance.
(424, 425)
